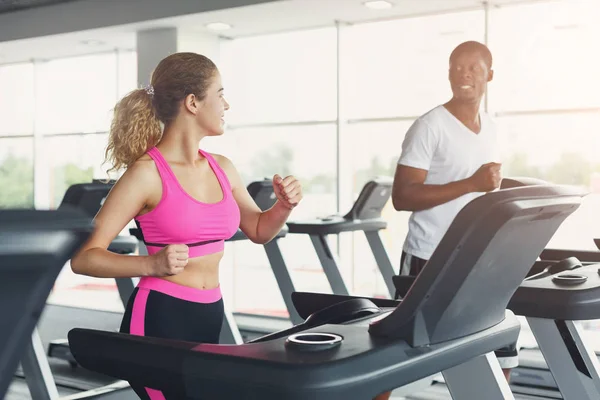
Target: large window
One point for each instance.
(73, 159)
(288, 79)
(281, 78)
(388, 74)
(543, 57)
(283, 90)
(400, 67)
(16, 99)
(76, 94)
(16, 173)
(16, 136)
(74, 98)
(259, 153)
(302, 151)
(126, 72)
(559, 148)
(374, 150)
(545, 99)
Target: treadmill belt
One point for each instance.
(55, 323)
(18, 390)
(78, 379)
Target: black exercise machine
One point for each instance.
(85, 198)
(451, 321)
(89, 197)
(556, 293)
(34, 247)
(365, 215)
(264, 197)
(553, 302)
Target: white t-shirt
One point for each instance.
(439, 143)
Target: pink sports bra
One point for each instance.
(178, 218)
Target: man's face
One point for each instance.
(469, 75)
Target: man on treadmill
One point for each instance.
(448, 158)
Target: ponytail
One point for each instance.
(133, 131)
(136, 125)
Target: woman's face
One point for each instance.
(211, 115)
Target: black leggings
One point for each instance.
(162, 309)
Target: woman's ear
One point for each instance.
(191, 103)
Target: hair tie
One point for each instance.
(150, 90)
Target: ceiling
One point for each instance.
(7, 6)
(268, 17)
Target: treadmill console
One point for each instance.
(88, 197)
(371, 200)
(262, 193)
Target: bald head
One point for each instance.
(473, 47)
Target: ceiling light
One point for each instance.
(92, 42)
(218, 26)
(567, 26)
(378, 4)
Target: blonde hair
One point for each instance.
(136, 127)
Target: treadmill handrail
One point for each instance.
(554, 254)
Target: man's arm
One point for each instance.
(410, 193)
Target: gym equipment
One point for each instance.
(34, 247)
(89, 197)
(534, 375)
(358, 349)
(264, 196)
(402, 283)
(533, 370)
(552, 302)
(85, 198)
(365, 215)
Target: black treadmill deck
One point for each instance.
(271, 369)
(561, 301)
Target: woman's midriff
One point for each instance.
(200, 272)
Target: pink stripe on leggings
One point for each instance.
(179, 291)
(137, 328)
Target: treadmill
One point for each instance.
(85, 198)
(560, 339)
(264, 197)
(89, 197)
(34, 247)
(534, 375)
(552, 304)
(365, 216)
(535, 372)
(356, 348)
